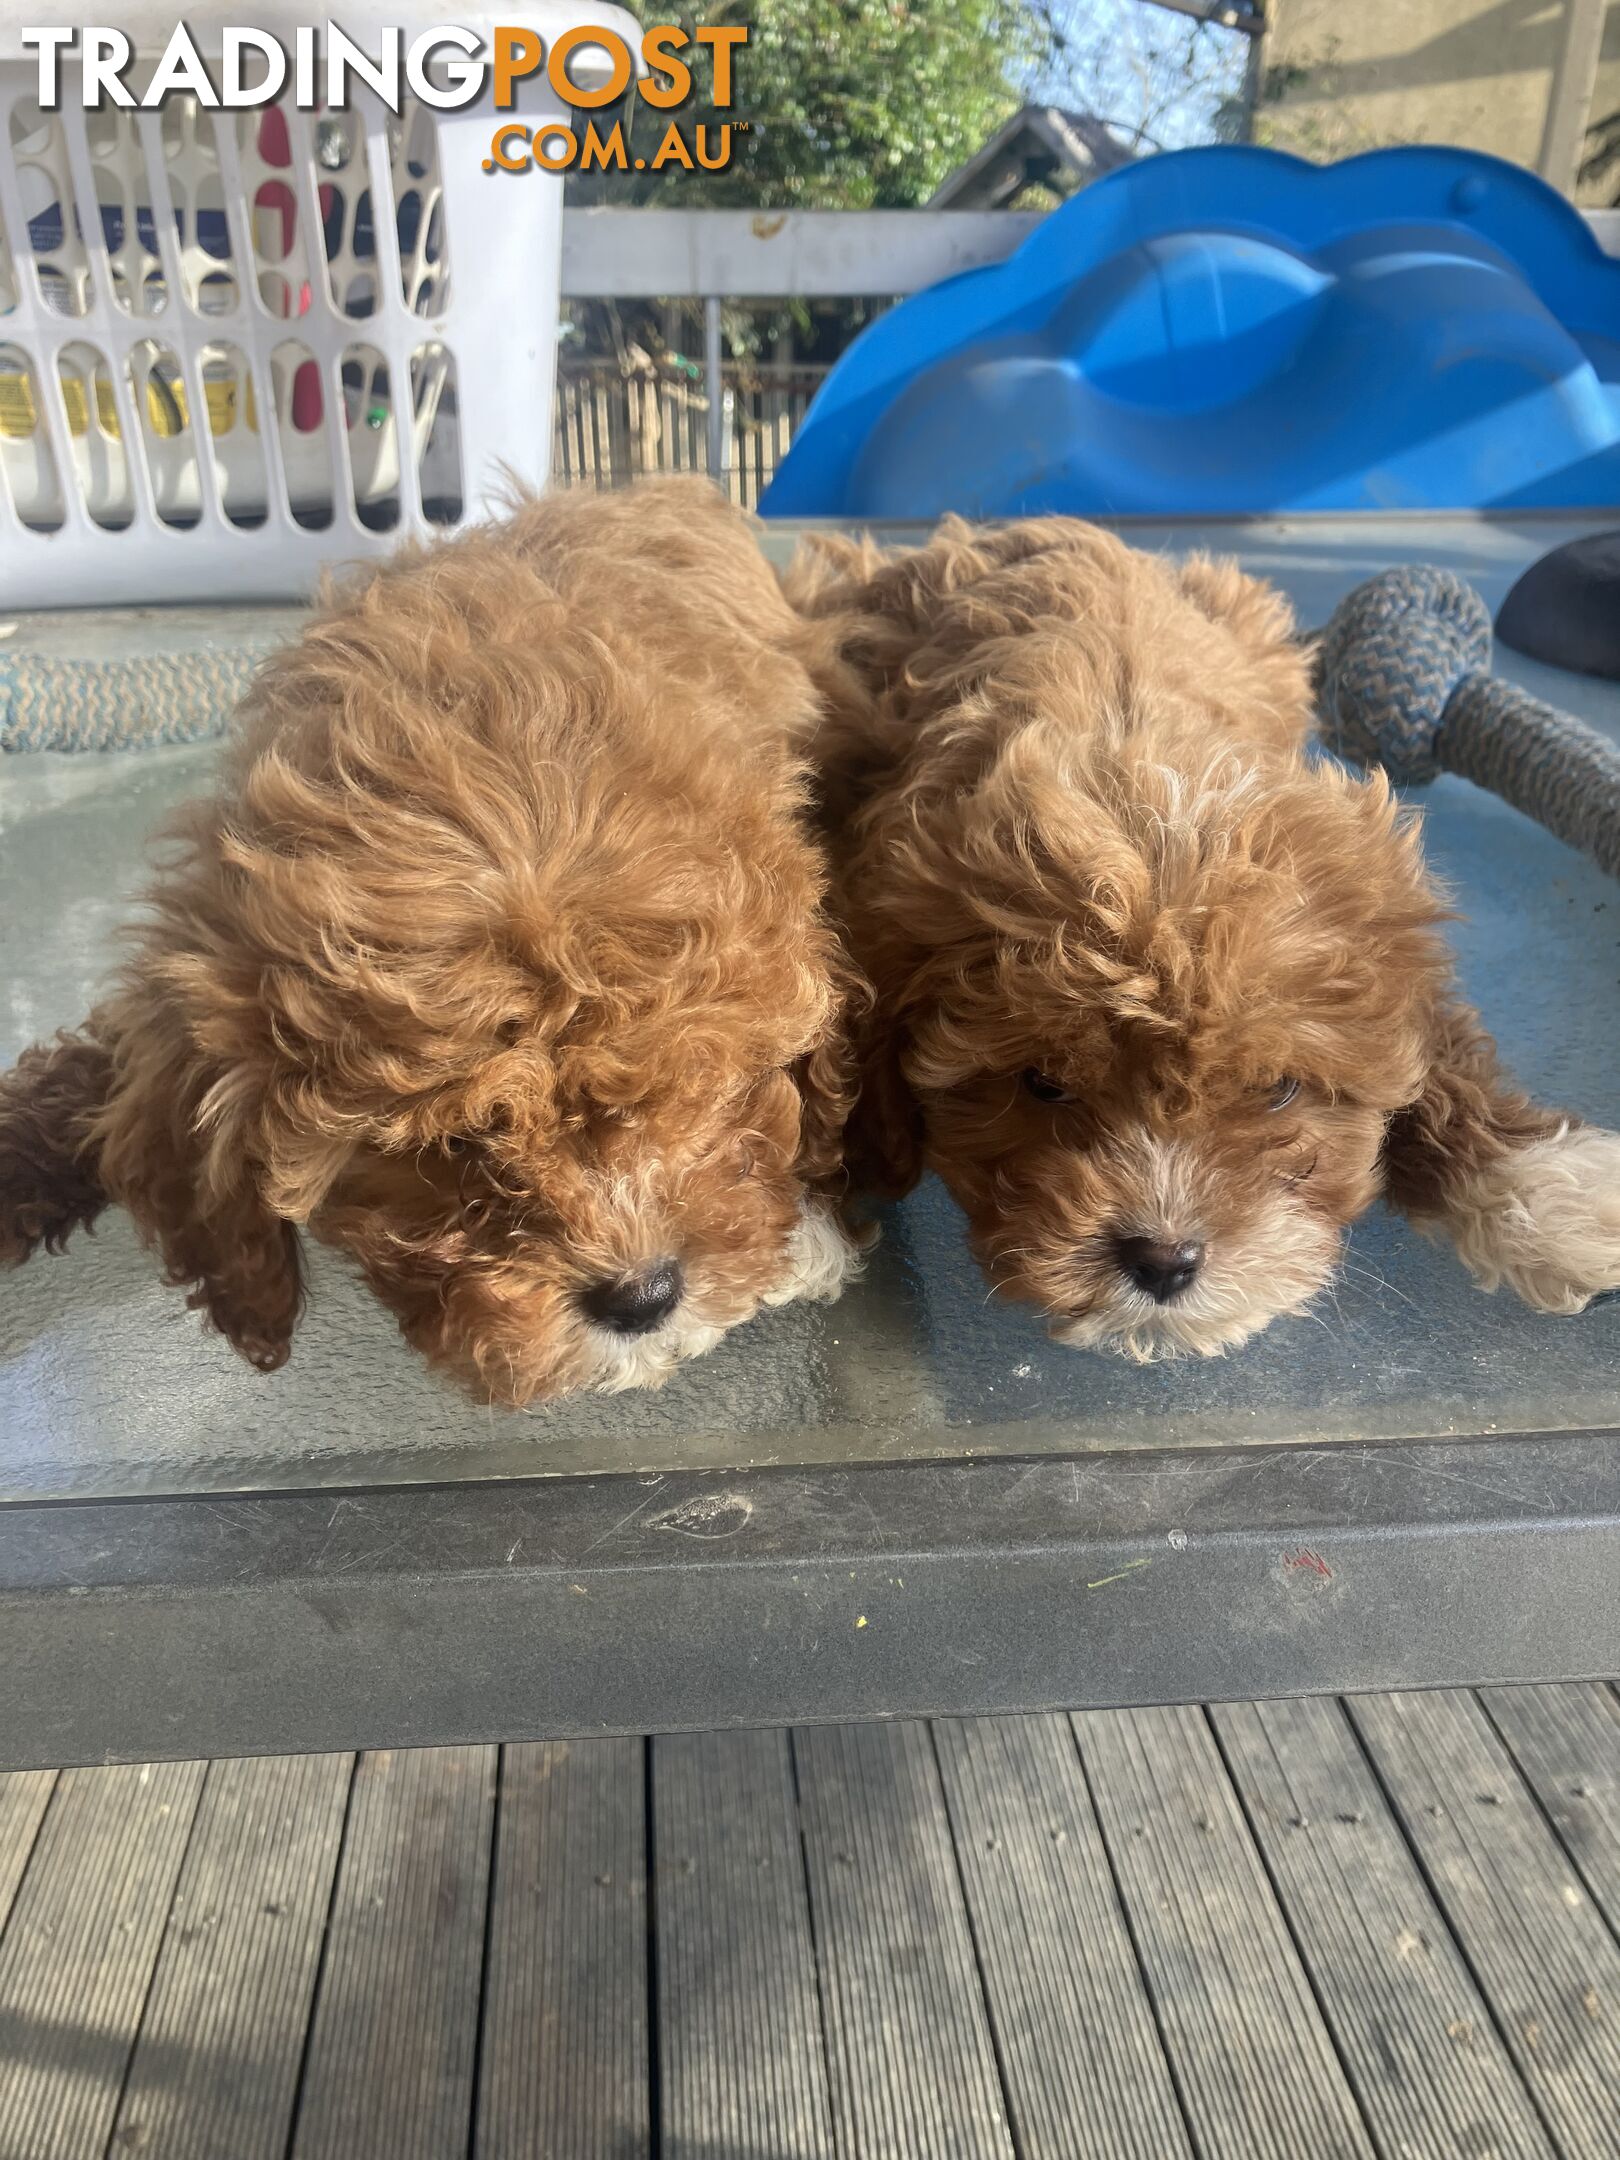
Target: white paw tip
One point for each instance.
(822, 1258)
(1545, 1220)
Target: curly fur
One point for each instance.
(498, 959)
(1079, 832)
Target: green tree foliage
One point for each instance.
(850, 104)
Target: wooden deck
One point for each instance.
(1388, 1927)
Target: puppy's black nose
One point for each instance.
(1160, 1267)
(635, 1304)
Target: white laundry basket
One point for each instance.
(236, 346)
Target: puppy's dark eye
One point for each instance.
(1282, 1093)
(453, 1144)
(1043, 1087)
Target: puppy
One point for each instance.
(497, 959)
(1164, 1003)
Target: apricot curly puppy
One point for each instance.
(497, 959)
(1165, 1003)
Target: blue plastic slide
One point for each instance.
(1233, 330)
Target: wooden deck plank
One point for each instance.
(78, 1952)
(1259, 2076)
(1086, 2076)
(910, 2056)
(389, 2070)
(867, 1943)
(1427, 2065)
(1566, 1742)
(23, 1798)
(215, 2069)
(563, 2052)
(741, 2067)
(1544, 1957)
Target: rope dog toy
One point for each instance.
(1403, 681)
(52, 704)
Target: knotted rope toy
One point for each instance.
(55, 704)
(1403, 681)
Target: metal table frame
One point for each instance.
(420, 1615)
(407, 1614)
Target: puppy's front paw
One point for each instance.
(1545, 1220)
(822, 1257)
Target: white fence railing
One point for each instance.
(715, 255)
(778, 254)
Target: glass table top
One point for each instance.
(108, 1386)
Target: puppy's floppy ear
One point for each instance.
(1260, 618)
(169, 1147)
(1259, 615)
(1530, 1198)
(885, 1138)
(1467, 1117)
(115, 1112)
(826, 1078)
(49, 1183)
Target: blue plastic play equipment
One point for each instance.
(1234, 330)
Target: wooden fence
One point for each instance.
(613, 424)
